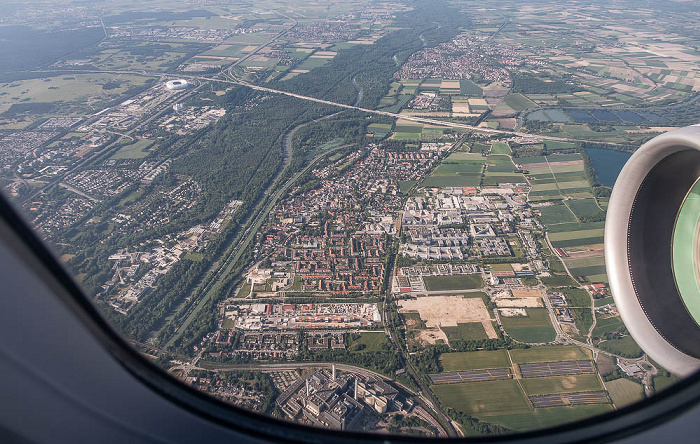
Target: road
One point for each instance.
(253, 223)
(423, 120)
(298, 365)
(163, 107)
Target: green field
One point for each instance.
(519, 102)
(578, 242)
(462, 180)
(576, 226)
(405, 185)
(136, 150)
(557, 145)
(474, 360)
(373, 341)
(535, 327)
(488, 397)
(549, 417)
(406, 136)
(379, 129)
(603, 301)
(624, 392)
(549, 353)
(469, 88)
(607, 325)
(494, 179)
(579, 234)
(556, 214)
(624, 346)
(662, 381)
(561, 384)
(559, 280)
(453, 282)
(583, 207)
(471, 331)
(576, 297)
(68, 93)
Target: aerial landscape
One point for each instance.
(365, 215)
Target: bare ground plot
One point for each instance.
(448, 311)
(432, 336)
(521, 299)
(474, 360)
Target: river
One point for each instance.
(607, 164)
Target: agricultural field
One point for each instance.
(500, 148)
(547, 417)
(561, 384)
(624, 392)
(487, 397)
(549, 353)
(469, 88)
(475, 360)
(454, 282)
(379, 130)
(536, 327)
(556, 214)
(586, 267)
(574, 238)
(518, 102)
(457, 170)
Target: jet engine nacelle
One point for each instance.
(652, 248)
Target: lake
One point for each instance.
(607, 164)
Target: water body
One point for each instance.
(607, 164)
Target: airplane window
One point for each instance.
(367, 215)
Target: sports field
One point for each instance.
(474, 360)
(536, 327)
(549, 353)
(453, 282)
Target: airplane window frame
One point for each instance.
(625, 422)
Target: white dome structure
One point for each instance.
(177, 85)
